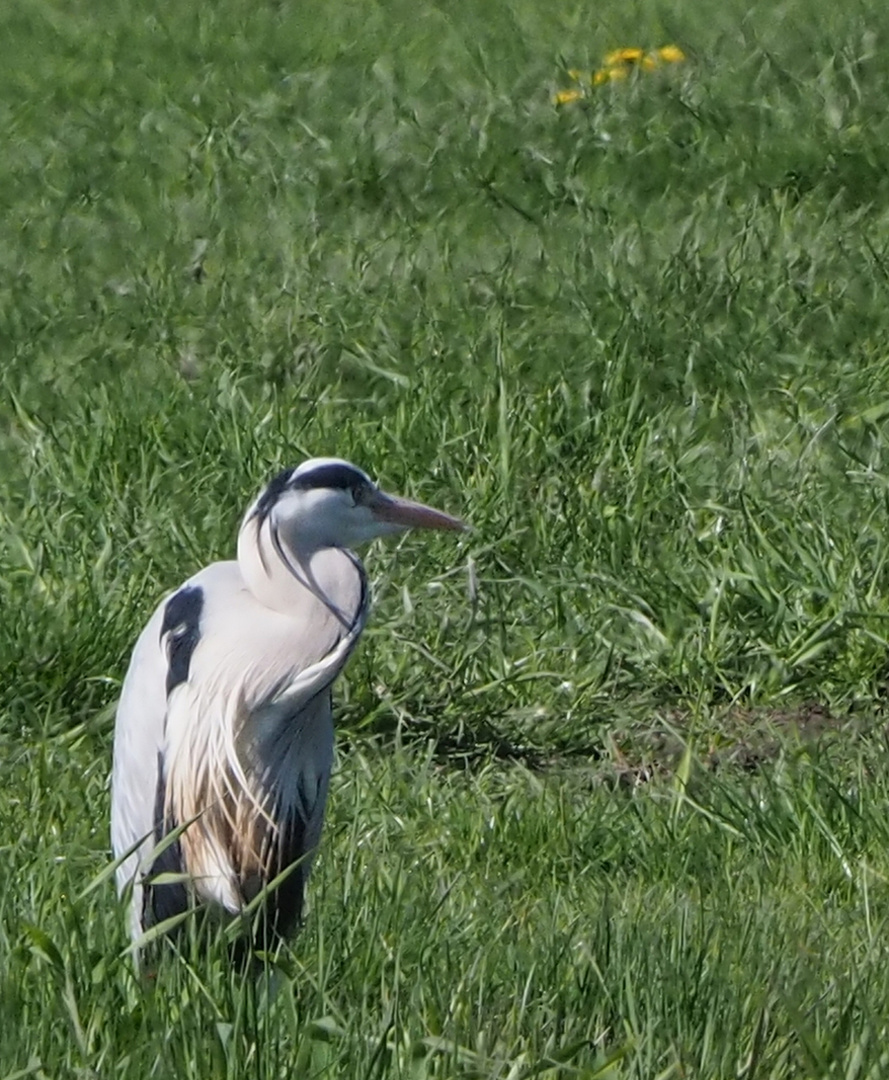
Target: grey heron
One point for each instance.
(224, 728)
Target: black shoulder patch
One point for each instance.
(182, 621)
(334, 475)
(162, 901)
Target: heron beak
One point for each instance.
(411, 515)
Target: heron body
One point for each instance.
(224, 728)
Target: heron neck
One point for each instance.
(283, 576)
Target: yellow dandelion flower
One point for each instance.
(565, 97)
(671, 54)
(648, 63)
(610, 74)
(623, 56)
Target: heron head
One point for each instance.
(327, 502)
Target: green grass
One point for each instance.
(611, 797)
(496, 922)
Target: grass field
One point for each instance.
(611, 797)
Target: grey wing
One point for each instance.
(138, 752)
(160, 662)
(297, 769)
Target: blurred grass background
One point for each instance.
(639, 342)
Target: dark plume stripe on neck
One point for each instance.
(273, 491)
